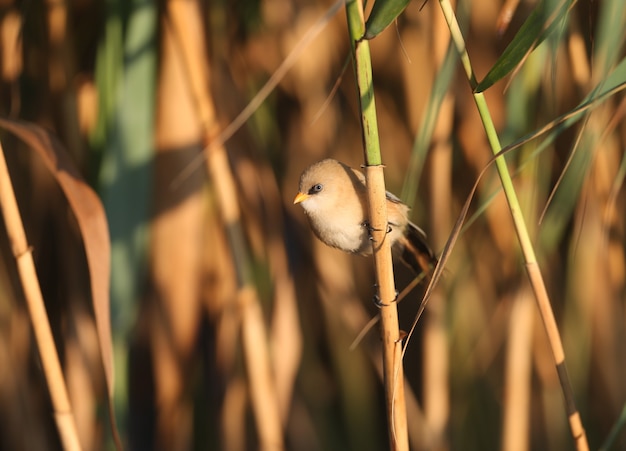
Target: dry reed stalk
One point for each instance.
(286, 333)
(377, 204)
(390, 332)
(233, 416)
(263, 211)
(81, 359)
(518, 371)
(58, 61)
(579, 60)
(92, 223)
(61, 73)
(597, 271)
(11, 56)
(219, 299)
(420, 435)
(506, 15)
(435, 338)
(63, 414)
(519, 330)
(11, 42)
(360, 322)
(176, 234)
(254, 333)
(342, 309)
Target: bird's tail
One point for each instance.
(416, 253)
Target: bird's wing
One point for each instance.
(393, 198)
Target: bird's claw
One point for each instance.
(378, 302)
(371, 229)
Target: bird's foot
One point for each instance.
(371, 229)
(378, 302)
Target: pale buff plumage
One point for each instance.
(333, 197)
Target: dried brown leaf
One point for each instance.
(91, 219)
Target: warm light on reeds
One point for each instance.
(188, 123)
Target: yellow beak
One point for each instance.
(300, 197)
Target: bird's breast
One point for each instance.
(345, 235)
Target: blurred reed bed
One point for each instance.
(134, 97)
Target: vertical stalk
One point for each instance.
(63, 414)
(256, 352)
(376, 196)
(436, 346)
(530, 259)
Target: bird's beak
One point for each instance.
(300, 197)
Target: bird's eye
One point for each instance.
(316, 188)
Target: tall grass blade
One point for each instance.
(427, 127)
(125, 75)
(383, 14)
(533, 271)
(543, 20)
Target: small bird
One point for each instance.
(333, 197)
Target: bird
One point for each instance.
(334, 199)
